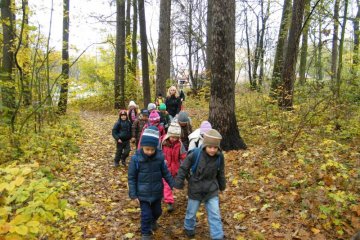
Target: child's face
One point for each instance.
(182, 124)
(173, 139)
(149, 151)
(211, 150)
(145, 117)
(123, 117)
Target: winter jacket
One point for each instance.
(207, 179)
(174, 154)
(137, 127)
(145, 176)
(185, 132)
(173, 105)
(122, 130)
(132, 114)
(195, 139)
(165, 119)
(161, 129)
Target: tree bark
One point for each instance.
(163, 57)
(341, 49)
(304, 45)
(27, 53)
(8, 89)
(62, 105)
(144, 54)
(280, 49)
(120, 55)
(320, 47)
(334, 49)
(208, 38)
(248, 50)
(222, 100)
(128, 33)
(288, 74)
(134, 40)
(356, 38)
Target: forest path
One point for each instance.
(100, 191)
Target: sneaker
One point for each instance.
(123, 163)
(154, 226)
(170, 207)
(189, 233)
(146, 237)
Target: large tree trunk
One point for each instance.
(8, 64)
(341, 49)
(222, 101)
(134, 40)
(304, 44)
(120, 55)
(334, 49)
(288, 74)
(208, 38)
(144, 54)
(163, 57)
(280, 49)
(62, 105)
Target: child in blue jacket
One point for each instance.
(122, 135)
(146, 170)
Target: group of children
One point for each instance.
(168, 152)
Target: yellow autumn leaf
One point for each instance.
(21, 230)
(52, 202)
(10, 187)
(68, 213)
(3, 186)
(240, 238)
(239, 216)
(84, 203)
(315, 230)
(129, 235)
(20, 219)
(26, 171)
(275, 225)
(4, 211)
(4, 227)
(235, 182)
(33, 223)
(199, 214)
(19, 180)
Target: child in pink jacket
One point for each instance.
(154, 120)
(174, 153)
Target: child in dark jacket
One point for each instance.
(138, 125)
(122, 134)
(205, 182)
(174, 153)
(164, 116)
(146, 171)
(186, 128)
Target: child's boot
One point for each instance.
(123, 162)
(170, 207)
(189, 233)
(154, 226)
(146, 237)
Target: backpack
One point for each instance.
(197, 153)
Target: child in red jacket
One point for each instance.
(174, 153)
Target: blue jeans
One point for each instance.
(213, 215)
(150, 212)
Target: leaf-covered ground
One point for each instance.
(266, 197)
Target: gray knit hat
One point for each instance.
(212, 138)
(183, 117)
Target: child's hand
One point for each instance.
(132, 140)
(176, 191)
(136, 200)
(119, 141)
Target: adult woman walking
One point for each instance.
(173, 102)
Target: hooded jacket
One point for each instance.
(174, 153)
(207, 179)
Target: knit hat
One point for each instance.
(144, 112)
(154, 118)
(132, 104)
(150, 137)
(151, 106)
(205, 126)
(183, 117)
(162, 107)
(174, 130)
(122, 112)
(212, 138)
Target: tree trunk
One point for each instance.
(163, 57)
(248, 51)
(320, 47)
(190, 42)
(7, 76)
(222, 100)
(264, 18)
(341, 48)
(208, 37)
(27, 54)
(120, 55)
(304, 45)
(288, 74)
(134, 40)
(356, 38)
(334, 49)
(62, 105)
(144, 54)
(128, 33)
(280, 49)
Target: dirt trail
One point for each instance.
(100, 191)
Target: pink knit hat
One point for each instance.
(204, 127)
(154, 118)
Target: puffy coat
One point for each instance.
(145, 176)
(174, 154)
(208, 178)
(195, 139)
(122, 130)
